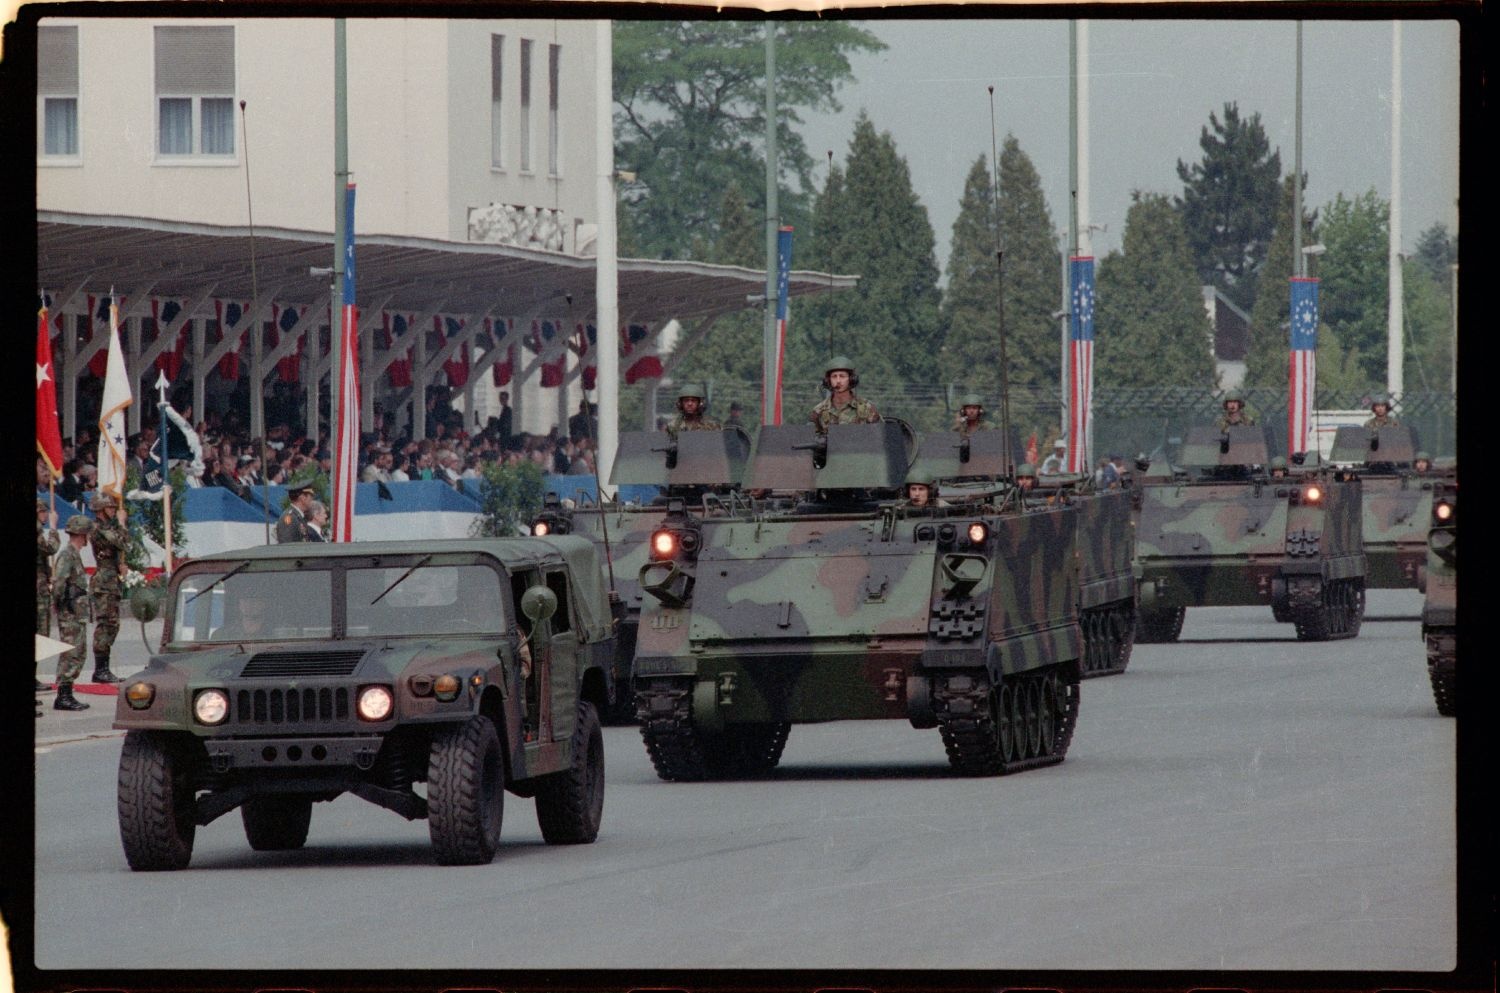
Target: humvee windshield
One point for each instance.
(295, 604)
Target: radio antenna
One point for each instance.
(829, 311)
(265, 462)
(1005, 456)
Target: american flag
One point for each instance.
(346, 447)
(783, 274)
(1081, 363)
(1304, 362)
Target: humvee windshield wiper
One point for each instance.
(419, 564)
(232, 572)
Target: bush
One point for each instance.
(509, 497)
(148, 517)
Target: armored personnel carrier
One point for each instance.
(701, 469)
(291, 674)
(850, 604)
(1397, 501)
(1222, 532)
(1440, 611)
(1104, 554)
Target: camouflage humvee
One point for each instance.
(1397, 501)
(1104, 552)
(849, 604)
(1222, 532)
(1439, 580)
(290, 674)
(702, 468)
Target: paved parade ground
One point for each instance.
(1236, 801)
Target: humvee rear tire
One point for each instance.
(1153, 627)
(570, 804)
(465, 793)
(276, 823)
(154, 799)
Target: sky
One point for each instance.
(1152, 85)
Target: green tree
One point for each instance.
(1354, 278)
(1341, 373)
(969, 302)
(1266, 361)
(890, 324)
(690, 117)
(1436, 251)
(1429, 327)
(509, 496)
(1228, 202)
(1033, 272)
(1151, 329)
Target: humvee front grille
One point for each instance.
(308, 705)
(275, 665)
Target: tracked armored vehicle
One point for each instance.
(701, 469)
(849, 604)
(292, 674)
(1397, 501)
(1221, 532)
(1440, 611)
(1104, 554)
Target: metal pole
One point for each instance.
(1070, 244)
(606, 274)
(341, 222)
(773, 224)
(1395, 373)
(1299, 263)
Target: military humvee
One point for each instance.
(1221, 532)
(848, 604)
(1397, 501)
(1439, 581)
(290, 674)
(702, 468)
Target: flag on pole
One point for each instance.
(346, 450)
(783, 275)
(1303, 374)
(117, 397)
(48, 434)
(1081, 363)
(183, 445)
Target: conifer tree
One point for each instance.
(1354, 280)
(1150, 326)
(970, 356)
(1266, 359)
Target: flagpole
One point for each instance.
(166, 472)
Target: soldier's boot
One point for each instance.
(65, 699)
(101, 671)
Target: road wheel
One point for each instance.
(570, 804)
(1018, 718)
(276, 823)
(1159, 626)
(154, 798)
(1007, 727)
(465, 793)
(1033, 691)
(1047, 716)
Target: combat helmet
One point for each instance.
(840, 362)
(78, 524)
(103, 500)
(1025, 469)
(1278, 462)
(971, 400)
(1235, 395)
(694, 390)
(921, 476)
(1380, 400)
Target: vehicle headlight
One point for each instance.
(211, 706)
(541, 528)
(1442, 511)
(446, 687)
(140, 695)
(977, 533)
(1314, 494)
(375, 703)
(663, 544)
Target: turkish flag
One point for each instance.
(48, 435)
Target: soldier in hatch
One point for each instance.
(1234, 411)
(691, 405)
(842, 406)
(1380, 406)
(970, 415)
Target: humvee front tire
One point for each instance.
(570, 804)
(276, 823)
(465, 793)
(1154, 627)
(154, 799)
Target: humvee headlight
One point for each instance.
(211, 706)
(375, 703)
(1442, 511)
(541, 528)
(140, 695)
(663, 544)
(446, 687)
(977, 533)
(1314, 494)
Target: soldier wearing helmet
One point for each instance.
(1423, 463)
(921, 491)
(110, 542)
(1234, 411)
(691, 403)
(70, 587)
(842, 406)
(1026, 477)
(970, 415)
(1278, 467)
(1380, 406)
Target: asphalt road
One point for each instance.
(1237, 801)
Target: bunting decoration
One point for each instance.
(1081, 363)
(1303, 362)
(552, 372)
(48, 433)
(645, 364)
(783, 276)
(346, 426)
(502, 371)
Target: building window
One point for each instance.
(525, 105)
(195, 91)
(554, 58)
(497, 66)
(57, 90)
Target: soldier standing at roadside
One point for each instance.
(70, 586)
(110, 540)
(841, 406)
(46, 546)
(292, 525)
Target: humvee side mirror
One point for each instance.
(538, 604)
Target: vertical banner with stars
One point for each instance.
(783, 276)
(1303, 367)
(1081, 363)
(346, 444)
(117, 397)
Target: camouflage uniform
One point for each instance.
(964, 428)
(292, 526)
(70, 583)
(46, 546)
(700, 423)
(1244, 420)
(1388, 421)
(857, 411)
(110, 540)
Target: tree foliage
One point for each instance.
(509, 496)
(1266, 361)
(1151, 329)
(1426, 303)
(690, 117)
(969, 308)
(1228, 202)
(1033, 272)
(1354, 277)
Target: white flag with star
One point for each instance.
(112, 413)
